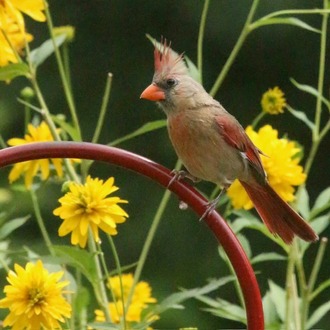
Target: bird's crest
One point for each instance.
(167, 60)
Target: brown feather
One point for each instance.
(168, 61)
(278, 216)
(234, 134)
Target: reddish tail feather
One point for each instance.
(278, 216)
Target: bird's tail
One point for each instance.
(278, 216)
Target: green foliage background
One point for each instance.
(110, 37)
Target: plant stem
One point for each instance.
(201, 39)
(306, 290)
(46, 114)
(321, 72)
(257, 119)
(295, 301)
(289, 289)
(236, 49)
(316, 138)
(99, 286)
(311, 283)
(65, 83)
(119, 272)
(66, 64)
(3, 143)
(236, 283)
(300, 269)
(41, 223)
(295, 12)
(85, 165)
(150, 236)
(103, 109)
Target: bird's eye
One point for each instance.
(170, 82)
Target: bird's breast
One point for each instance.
(201, 148)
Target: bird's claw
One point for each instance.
(179, 175)
(211, 206)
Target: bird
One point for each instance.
(213, 146)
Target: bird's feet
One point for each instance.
(179, 175)
(211, 206)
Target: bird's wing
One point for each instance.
(234, 134)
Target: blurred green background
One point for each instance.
(110, 37)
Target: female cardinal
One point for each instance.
(213, 146)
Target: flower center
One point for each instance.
(87, 204)
(36, 297)
(272, 100)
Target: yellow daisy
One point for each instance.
(32, 8)
(34, 298)
(12, 40)
(142, 297)
(12, 28)
(87, 206)
(273, 101)
(30, 169)
(281, 164)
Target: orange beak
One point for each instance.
(153, 93)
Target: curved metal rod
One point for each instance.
(162, 175)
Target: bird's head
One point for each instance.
(171, 86)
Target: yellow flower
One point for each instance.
(31, 168)
(273, 101)
(12, 40)
(34, 298)
(281, 164)
(32, 8)
(141, 298)
(12, 28)
(87, 206)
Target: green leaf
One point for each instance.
(4, 249)
(245, 219)
(277, 295)
(60, 121)
(245, 244)
(301, 116)
(246, 215)
(284, 20)
(256, 224)
(175, 299)
(270, 315)
(303, 203)
(6, 196)
(225, 309)
(104, 326)
(323, 198)
(12, 71)
(11, 225)
(267, 256)
(322, 203)
(81, 300)
(146, 128)
(79, 259)
(319, 224)
(318, 314)
(40, 54)
(310, 90)
(324, 285)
